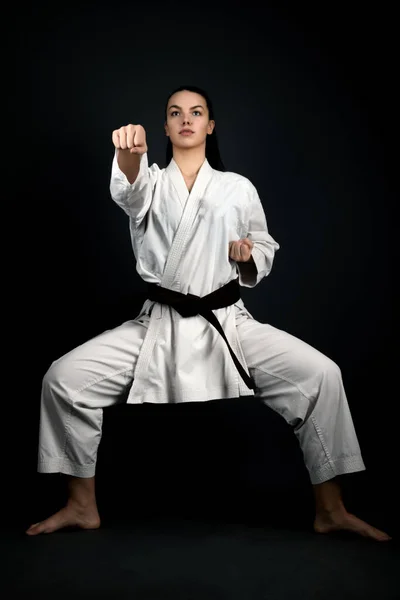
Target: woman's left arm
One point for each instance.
(259, 265)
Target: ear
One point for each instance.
(166, 129)
(210, 127)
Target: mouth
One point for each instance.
(186, 132)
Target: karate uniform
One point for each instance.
(180, 241)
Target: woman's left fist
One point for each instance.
(240, 251)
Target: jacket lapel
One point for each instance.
(191, 203)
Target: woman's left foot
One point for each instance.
(340, 520)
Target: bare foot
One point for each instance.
(326, 522)
(72, 515)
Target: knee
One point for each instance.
(329, 367)
(53, 376)
(321, 366)
(330, 376)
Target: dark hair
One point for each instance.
(212, 149)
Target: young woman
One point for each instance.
(198, 234)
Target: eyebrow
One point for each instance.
(191, 108)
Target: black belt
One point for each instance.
(189, 305)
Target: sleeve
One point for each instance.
(250, 274)
(135, 199)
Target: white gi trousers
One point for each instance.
(297, 381)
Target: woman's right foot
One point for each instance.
(72, 515)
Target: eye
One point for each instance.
(198, 112)
(174, 112)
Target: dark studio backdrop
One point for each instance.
(305, 108)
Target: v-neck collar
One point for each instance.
(179, 182)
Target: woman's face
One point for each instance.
(188, 111)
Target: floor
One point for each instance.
(160, 557)
(205, 513)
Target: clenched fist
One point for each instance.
(240, 251)
(131, 138)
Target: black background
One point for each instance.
(306, 108)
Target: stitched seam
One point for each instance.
(281, 377)
(348, 462)
(340, 459)
(63, 461)
(321, 439)
(66, 434)
(67, 428)
(102, 378)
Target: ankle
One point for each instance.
(328, 498)
(81, 491)
(81, 504)
(330, 509)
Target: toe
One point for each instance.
(382, 536)
(33, 528)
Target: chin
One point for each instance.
(185, 143)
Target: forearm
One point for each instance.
(129, 164)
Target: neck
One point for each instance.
(189, 160)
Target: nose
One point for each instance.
(186, 120)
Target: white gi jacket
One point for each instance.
(181, 241)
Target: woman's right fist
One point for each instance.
(130, 137)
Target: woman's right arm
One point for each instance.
(132, 181)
